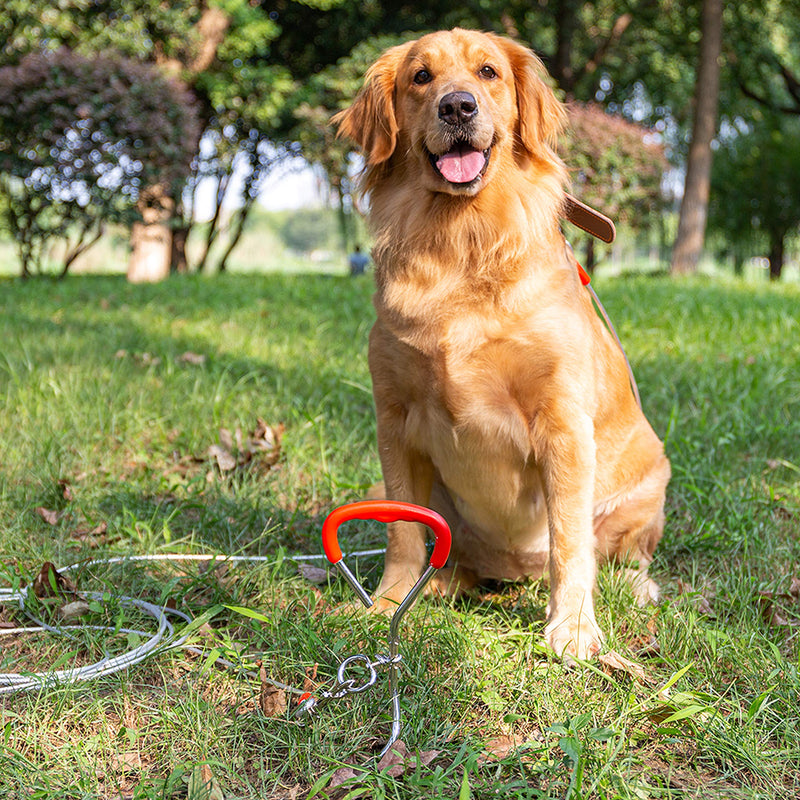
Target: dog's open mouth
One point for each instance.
(461, 164)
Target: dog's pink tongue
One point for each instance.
(461, 165)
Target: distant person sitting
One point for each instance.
(358, 261)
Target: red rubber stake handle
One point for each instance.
(386, 511)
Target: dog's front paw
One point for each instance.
(383, 604)
(380, 605)
(574, 636)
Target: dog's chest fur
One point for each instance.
(463, 380)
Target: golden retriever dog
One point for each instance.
(502, 400)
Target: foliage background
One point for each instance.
(266, 76)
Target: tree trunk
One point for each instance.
(179, 261)
(694, 206)
(776, 255)
(151, 239)
(81, 246)
(223, 181)
(562, 71)
(236, 235)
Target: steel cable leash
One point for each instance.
(382, 511)
(164, 638)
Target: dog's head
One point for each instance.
(456, 104)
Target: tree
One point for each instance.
(616, 166)
(755, 200)
(218, 50)
(80, 138)
(765, 64)
(694, 206)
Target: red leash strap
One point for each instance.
(586, 281)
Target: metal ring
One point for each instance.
(350, 682)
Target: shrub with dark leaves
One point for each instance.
(80, 139)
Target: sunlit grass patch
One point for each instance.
(129, 419)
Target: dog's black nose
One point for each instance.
(456, 108)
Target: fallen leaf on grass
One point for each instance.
(499, 748)
(47, 514)
(342, 775)
(266, 439)
(703, 606)
(426, 756)
(126, 761)
(72, 612)
(646, 645)
(143, 359)
(394, 761)
(397, 760)
(271, 699)
(92, 537)
(146, 359)
(776, 606)
(195, 359)
(5, 622)
(203, 785)
(262, 446)
(315, 575)
(51, 583)
(617, 663)
(66, 490)
(224, 458)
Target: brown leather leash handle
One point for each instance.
(589, 220)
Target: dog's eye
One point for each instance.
(487, 72)
(423, 76)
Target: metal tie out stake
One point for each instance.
(382, 511)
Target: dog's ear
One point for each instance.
(542, 115)
(371, 121)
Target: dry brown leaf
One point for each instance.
(66, 490)
(315, 575)
(271, 699)
(194, 359)
(91, 537)
(47, 514)
(772, 613)
(72, 612)
(126, 761)
(426, 756)
(226, 439)
(395, 761)
(794, 588)
(203, 785)
(5, 621)
(50, 583)
(617, 663)
(498, 748)
(225, 460)
(310, 681)
(342, 775)
(146, 359)
(266, 440)
(703, 606)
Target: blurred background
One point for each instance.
(152, 138)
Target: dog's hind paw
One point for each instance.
(644, 588)
(574, 637)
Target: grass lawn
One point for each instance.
(129, 423)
